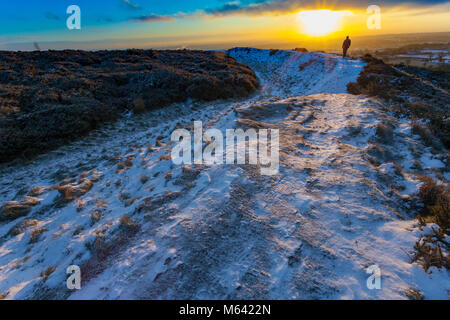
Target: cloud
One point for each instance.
(129, 5)
(153, 18)
(52, 16)
(257, 7)
(278, 7)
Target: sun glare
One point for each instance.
(321, 22)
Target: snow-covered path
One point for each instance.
(337, 206)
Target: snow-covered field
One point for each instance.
(338, 205)
(432, 56)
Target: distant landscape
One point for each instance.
(429, 50)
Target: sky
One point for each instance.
(214, 24)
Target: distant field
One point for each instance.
(363, 43)
(434, 56)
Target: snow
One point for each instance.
(430, 162)
(226, 231)
(291, 73)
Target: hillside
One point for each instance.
(50, 98)
(142, 227)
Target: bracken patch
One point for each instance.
(53, 97)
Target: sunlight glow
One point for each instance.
(321, 22)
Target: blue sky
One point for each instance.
(111, 23)
(19, 16)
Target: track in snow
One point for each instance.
(226, 232)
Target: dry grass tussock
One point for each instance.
(431, 250)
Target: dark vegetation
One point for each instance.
(434, 201)
(50, 98)
(418, 93)
(275, 51)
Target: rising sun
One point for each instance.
(321, 22)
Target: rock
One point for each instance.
(74, 190)
(15, 209)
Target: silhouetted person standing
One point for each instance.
(347, 43)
